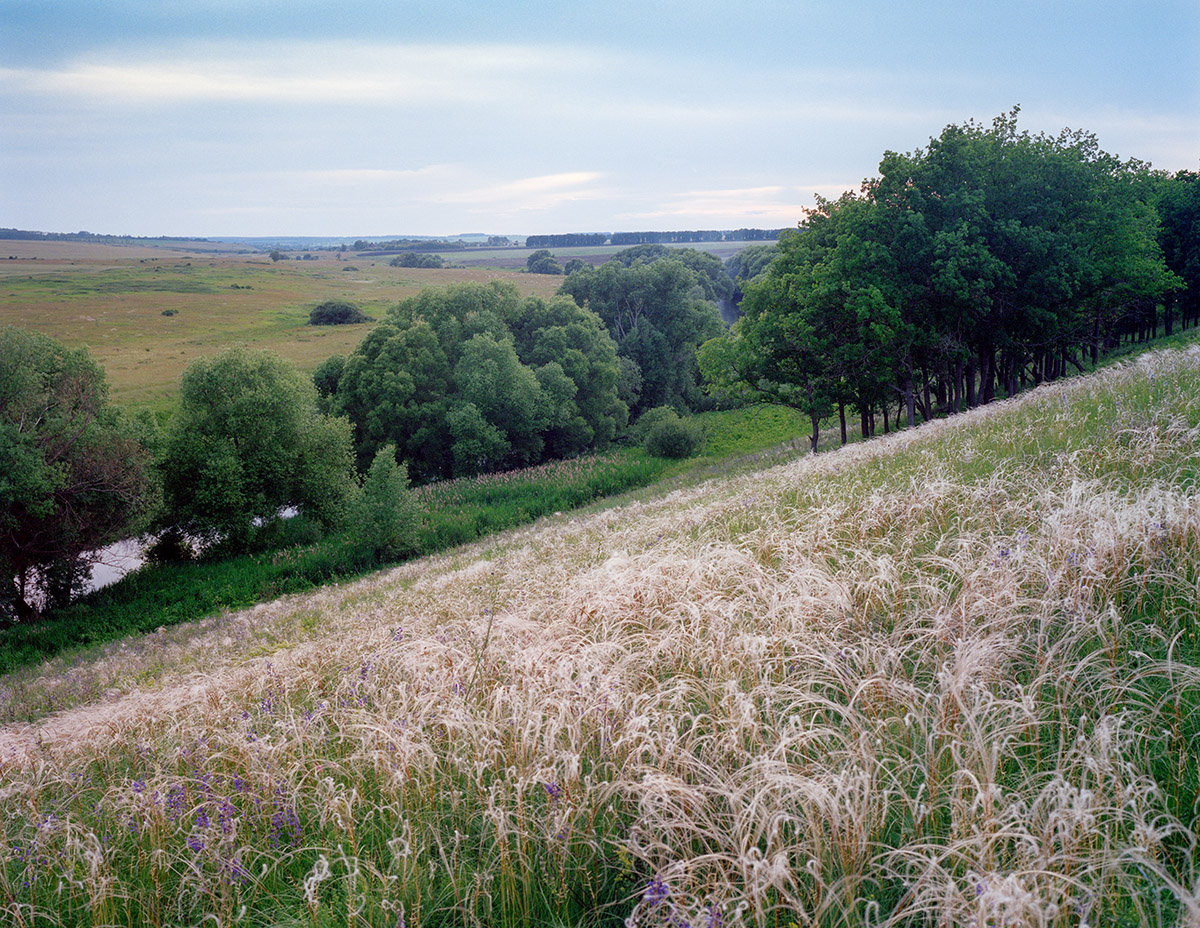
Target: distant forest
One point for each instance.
(25, 235)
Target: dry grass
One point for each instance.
(940, 678)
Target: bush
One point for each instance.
(415, 259)
(385, 519)
(171, 547)
(336, 312)
(542, 262)
(664, 434)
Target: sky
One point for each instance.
(441, 117)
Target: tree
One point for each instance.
(416, 259)
(337, 312)
(1179, 237)
(658, 318)
(542, 262)
(385, 519)
(976, 265)
(75, 475)
(248, 442)
(576, 363)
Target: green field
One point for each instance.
(146, 314)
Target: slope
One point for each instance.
(946, 676)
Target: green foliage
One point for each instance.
(326, 378)
(542, 262)
(751, 261)
(417, 259)
(75, 474)
(665, 434)
(472, 379)
(1179, 236)
(577, 366)
(385, 518)
(337, 312)
(247, 442)
(988, 260)
(658, 318)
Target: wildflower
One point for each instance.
(225, 813)
(656, 893)
(553, 790)
(196, 843)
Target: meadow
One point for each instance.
(949, 676)
(146, 313)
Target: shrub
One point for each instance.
(414, 259)
(385, 519)
(336, 312)
(171, 547)
(664, 434)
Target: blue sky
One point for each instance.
(216, 117)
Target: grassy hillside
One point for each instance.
(947, 677)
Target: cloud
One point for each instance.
(346, 72)
(773, 206)
(530, 193)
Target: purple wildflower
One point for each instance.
(656, 893)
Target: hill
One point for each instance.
(949, 676)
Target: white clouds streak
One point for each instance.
(531, 193)
(308, 72)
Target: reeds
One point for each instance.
(949, 677)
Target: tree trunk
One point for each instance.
(816, 430)
(910, 398)
(842, 419)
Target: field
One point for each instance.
(147, 312)
(946, 677)
(515, 258)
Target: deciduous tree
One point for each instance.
(75, 474)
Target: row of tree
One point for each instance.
(687, 237)
(986, 261)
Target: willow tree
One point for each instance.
(75, 474)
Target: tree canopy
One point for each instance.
(987, 260)
(658, 316)
(542, 262)
(247, 442)
(472, 378)
(75, 474)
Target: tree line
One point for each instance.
(990, 260)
